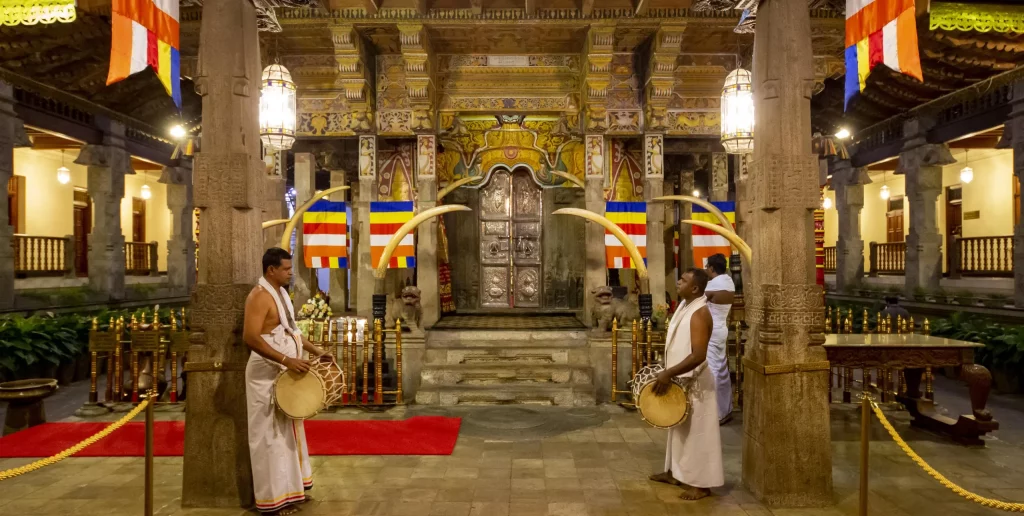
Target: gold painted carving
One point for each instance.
(768, 370)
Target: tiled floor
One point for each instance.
(599, 470)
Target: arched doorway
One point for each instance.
(510, 241)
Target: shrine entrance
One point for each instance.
(510, 211)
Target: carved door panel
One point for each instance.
(495, 273)
(526, 241)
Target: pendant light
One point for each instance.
(146, 193)
(277, 107)
(884, 192)
(738, 113)
(63, 174)
(826, 203)
(967, 173)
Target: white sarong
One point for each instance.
(693, 453)
(718, 359)
(277, 445)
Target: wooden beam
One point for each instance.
(586, 7)
(640, 7)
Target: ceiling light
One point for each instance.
(177, 132)
(843, 134)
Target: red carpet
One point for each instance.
(421, 435)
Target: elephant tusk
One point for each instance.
(570, 178)
(733, 238)
(275, 222)
(385, 257)
(634, 253)
(286, 238)
(450, 188)
(703, 204)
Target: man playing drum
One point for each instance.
(277, 444)
(720, 293)
(693, 454)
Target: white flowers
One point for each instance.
(315, 308)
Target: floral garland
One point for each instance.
(315, 308)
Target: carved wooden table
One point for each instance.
(913, 353)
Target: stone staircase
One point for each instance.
(496, 367)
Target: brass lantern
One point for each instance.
(277, 108)
(738, 113)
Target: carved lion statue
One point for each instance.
(607, 308)
(407, 307)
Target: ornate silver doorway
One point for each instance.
(510, 241)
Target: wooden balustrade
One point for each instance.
(140, 258)
(982, 256)
(40, 256)
(888, 258)
(830, 260)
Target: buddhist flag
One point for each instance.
(706, 242)
(325, 236)
(632, 218)
(385, 219)
(145, 33)
(880, 32)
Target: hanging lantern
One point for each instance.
(146, 193)
(826, 203)
(63, 174)
(277, 108)
(884, 192)
(967, 173)
(738, 113)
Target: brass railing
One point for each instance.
(140, 258)
(830, 259)
(40, 255)
(888, 258)
(982, 256)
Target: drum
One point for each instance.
(304, 395)
(665, 411)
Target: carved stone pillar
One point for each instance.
(229, 179)
(367, 193)
(848, 183)
(921, 165)
(303, 282)
(426, 234)
(181, 250)
(1015, 128)
(339, 277)
(744, 211)
(594, 274)
(787, 460)
(719, 177)
(274, 207)
(654, 179)
(107, 165)
(12, 135)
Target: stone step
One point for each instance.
(507, 355)
(449, 395)
(500, 376)
(505, 338)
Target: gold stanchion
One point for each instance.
(615, 359)
(635, 344)
(865, 323)
(649, 343)
(865, 436)
(366, 364)
(378, 371)
(135, 364)
(149, 450)
(353, 364)
(398, 360)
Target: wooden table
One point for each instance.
(914, 353)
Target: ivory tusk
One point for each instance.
(570, 178)
(703, 204)
(634, 253)
(385, 257)
(450, 188)
(733, 238)
(286, 238)
(275, 222)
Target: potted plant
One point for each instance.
(996, 300)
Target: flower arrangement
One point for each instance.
(315, 308)
(661, 312)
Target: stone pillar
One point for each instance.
(303, 282)
(654, 178)
(107, 165)
(787, 459)
(229, 179)
(1015, 128)
(426, 234)
(921, 165)
(719, 177)
(367, 193)
(685, 230)
(12, 135)
(594, 274)
(339, 277)
(848, 183)
(181, 250)
(274, 207)
(744, 211)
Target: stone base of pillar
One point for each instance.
(849, 265)
(923, 264)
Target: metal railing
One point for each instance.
(41, 255)
(830, 259)
(140, 258)
(888, 258)
(982, 256)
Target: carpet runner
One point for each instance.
(421, 435)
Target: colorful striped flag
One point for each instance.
(325, 236)
(145, 33)
(632, 218)
(880, 32)
(385, 219)
(706, 242)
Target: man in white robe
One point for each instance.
(693, 453)
(720, 294)
(281, 471)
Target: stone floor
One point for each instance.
(554, 461)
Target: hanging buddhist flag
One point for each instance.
(325, 236)
(385, 219)
(145, 33)
(631, 217)
(880, 32)
(706, 242)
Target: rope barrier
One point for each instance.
(981, 500)
(21, 470)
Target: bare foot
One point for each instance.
(664, 478)
(695, 493)
(307, 499)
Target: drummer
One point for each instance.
(281, 472)
(693, 454)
